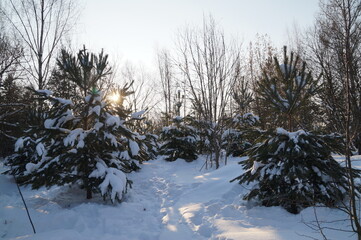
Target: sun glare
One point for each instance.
(114, 97)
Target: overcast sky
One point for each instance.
(133, 29)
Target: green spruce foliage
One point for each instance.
(86, 144)
(288, 93)
(31, 150)
(179, 140)
(295, 170)
(239, 137)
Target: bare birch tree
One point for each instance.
(167, 81)
(335, 45)
(211, 68)
(40, 24)
(141, 87)
(260, 54)
(11, 105)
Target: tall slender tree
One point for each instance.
(293, 169)
(211, 67)
(166, 77)
(11, 104)
(288, 90)
(40, 25)
(335, 45)
(86, 143)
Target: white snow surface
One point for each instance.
(169, 200)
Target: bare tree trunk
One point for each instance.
(40, 24)
(336, 50)
(89, 194)
(354, 217)
(166, 78)
(346, 7)
(211, 69)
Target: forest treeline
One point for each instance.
(210, 95)
(206, 76)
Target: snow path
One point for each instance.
(168, 201)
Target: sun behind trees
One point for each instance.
(86, 143)
(86, 132)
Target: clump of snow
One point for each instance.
(48, 123)
(30, 167)
(76, 135)
(178, 118)
(134, 147)
(114, 181)
(317, 171)
(64, 101)
(292, 135)
(113, 121)
(74, 150)
(80, 144)
(40, 149)
(95, 109)
(45, 92)
(57, 123)
(117, 181)
(137, 115)
(87, 98)
(286, 68)
(99, 171)
(19, 144)
(230, 132)
(247, 118)
(255, 167)
(112, 138)
(124, 155)
(98, 126)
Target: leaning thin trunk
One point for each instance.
(89, 193)
(354, 214)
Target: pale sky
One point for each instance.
(133, 29)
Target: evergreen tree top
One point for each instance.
(289, 88)
(85, 69)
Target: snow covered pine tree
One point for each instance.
(237, 138)
(31, 150)
(293, 169)
(179, 141)
(146, 147)
(84, 144)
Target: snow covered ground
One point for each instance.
(169, 200)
